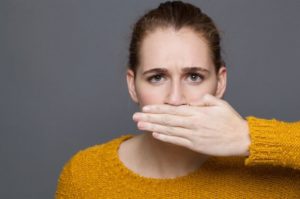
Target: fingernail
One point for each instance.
(135, 116)
(146, 108)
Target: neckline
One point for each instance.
(127, 173)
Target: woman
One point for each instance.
(174, 61)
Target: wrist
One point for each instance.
(246, 140)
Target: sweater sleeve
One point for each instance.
(274, 143)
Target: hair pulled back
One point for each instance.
(177, 15)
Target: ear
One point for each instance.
(222, 81)
(131, 86)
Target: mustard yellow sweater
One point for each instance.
(271, 171)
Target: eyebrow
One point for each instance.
(185, 70)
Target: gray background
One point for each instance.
(62, 76)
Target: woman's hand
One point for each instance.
(212, 127)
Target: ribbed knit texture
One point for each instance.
(97, 171)
(274, 143)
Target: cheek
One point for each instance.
(195, 94)
(150, 95)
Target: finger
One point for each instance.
(168, 130)
(164, 119)
(208, 100)
(172, 139)
(183, 110)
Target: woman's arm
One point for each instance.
(214, 128)
(274, 142)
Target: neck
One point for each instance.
(167, 160)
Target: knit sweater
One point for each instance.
(271, 171)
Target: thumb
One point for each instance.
(209, 100)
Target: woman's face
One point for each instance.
(176, 69)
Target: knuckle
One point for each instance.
(170, 129)
(148, 117)
(153, 127)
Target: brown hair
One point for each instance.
(175, 14)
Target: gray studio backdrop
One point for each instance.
(62, 76)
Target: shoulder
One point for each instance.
(87, 167)
(93, 159)
(96, 155)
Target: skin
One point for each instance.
(175, 51)
(212, 128)
(176, 76)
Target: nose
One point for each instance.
(175, 95)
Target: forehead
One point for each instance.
(174, 49)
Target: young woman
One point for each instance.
(175, 61)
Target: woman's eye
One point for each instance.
(195, 77)
(155, 78)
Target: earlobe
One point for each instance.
(130, 76)
(222, 81)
